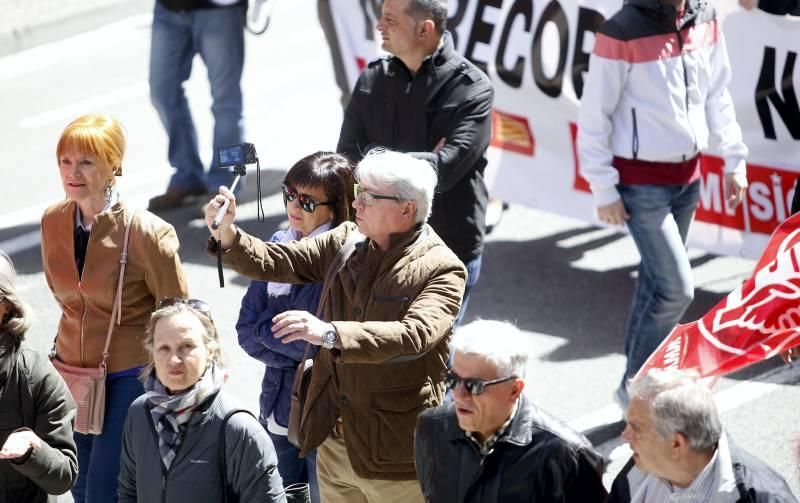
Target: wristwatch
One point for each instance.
(329, 338)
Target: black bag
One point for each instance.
(302, 378)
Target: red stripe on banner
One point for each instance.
(766, 205)
(769, 197)
(657, 47)
(578, 182)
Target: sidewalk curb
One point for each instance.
(25, 37)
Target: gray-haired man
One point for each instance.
(681, 453)
(492, 444)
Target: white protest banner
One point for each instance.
(537, 53)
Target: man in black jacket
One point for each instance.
(681, 451)
(492, 444)
(427, 100)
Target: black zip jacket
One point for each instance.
(538, 459)
(448, 98)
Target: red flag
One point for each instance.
(754, 322)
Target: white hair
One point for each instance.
(410, 179)
(679, 403)
(498, 342)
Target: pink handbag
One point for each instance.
(87, 385)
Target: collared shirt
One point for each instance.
(702, 489)
(487, 447)
(111, 202)
(81, 233)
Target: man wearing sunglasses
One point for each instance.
(391, 309)
(428, 100)
(492, 444)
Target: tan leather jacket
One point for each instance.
(153, 272)
(384, 305)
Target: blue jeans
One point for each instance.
(473, 273)
(659, 221)
(293, 469)
(98, 455)
(217, 35)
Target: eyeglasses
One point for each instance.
(307, 202)
(474, 386)
(368, 198)
(198, 305)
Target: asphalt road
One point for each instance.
(567, 284)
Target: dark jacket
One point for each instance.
(255, 337)
(780, 7)
(33, 396)
(448, 98)
(195, 475)
(538, 459)
(400, 302)
(755, 481)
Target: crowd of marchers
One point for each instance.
(368, 284)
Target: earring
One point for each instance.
(109, 191)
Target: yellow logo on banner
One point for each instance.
(511, 132)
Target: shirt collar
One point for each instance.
(109, 203)
(703, 483)
(487, 447)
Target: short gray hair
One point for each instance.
(499, 342)
(435, 10)
(679, 403)
(410, 179)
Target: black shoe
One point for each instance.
(174, 198)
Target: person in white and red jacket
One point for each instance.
(656, 97)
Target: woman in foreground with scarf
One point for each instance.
(174, 448)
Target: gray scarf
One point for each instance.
(171, 413)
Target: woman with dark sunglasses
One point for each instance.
(317, 193)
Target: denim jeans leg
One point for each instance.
(293, 468)
(84, 444)
(473, 273)
(311, 468)
(219, 37)
(99, 468)
(171, 52)
(659, 223)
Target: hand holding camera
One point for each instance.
(219, 220)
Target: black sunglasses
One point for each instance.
(198, 305)
(474, 386)
(307, 202)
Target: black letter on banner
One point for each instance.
(454, 21)
(787, 107)
(481, 31)
(369, 22)
(555, 14)
(588, 20)
(513, 77)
